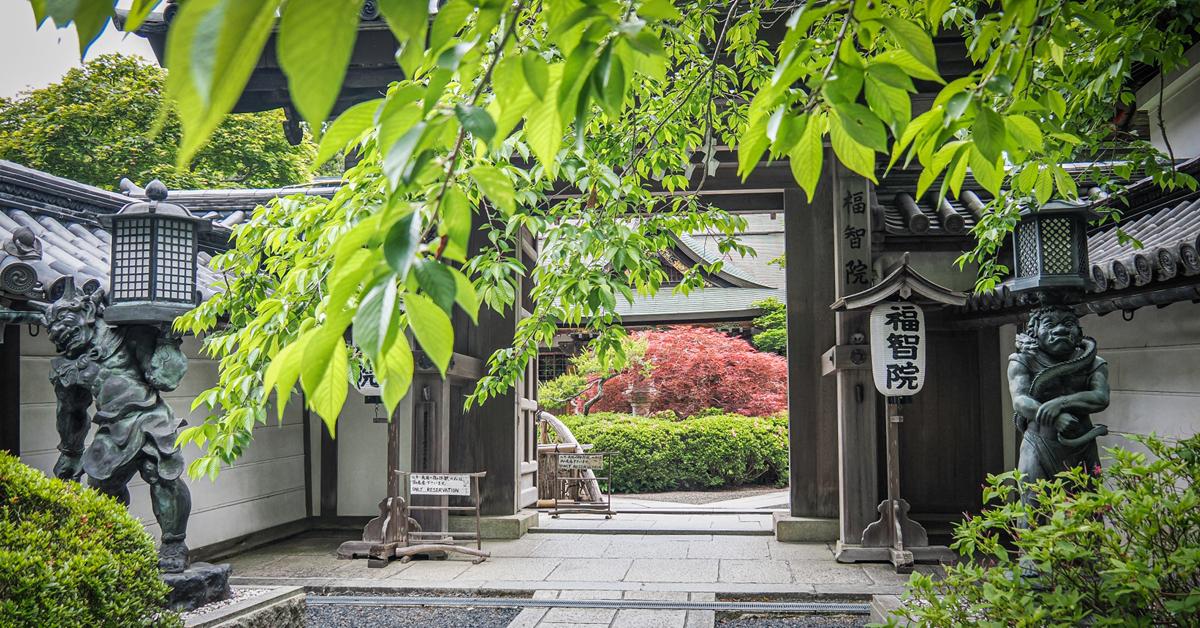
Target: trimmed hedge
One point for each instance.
(706, 452)
(70, 556)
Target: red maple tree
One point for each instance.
(695, 368)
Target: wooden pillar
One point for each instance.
(812, 414)
(857, 433)
(10, 389)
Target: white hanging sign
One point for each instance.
(898, 348)
(367, 386)
(439, 484)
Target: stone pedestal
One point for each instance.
(198, 585)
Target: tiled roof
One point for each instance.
(707, 304)
(68, 249)
(230, 207)
(1165, 268)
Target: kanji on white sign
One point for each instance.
(898, 348)
(440, 484)
(580, 462)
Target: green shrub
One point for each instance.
(70, 556)
(1124, 551)
(697, 453)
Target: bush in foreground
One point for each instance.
(70, 556)
(1126, 553)
(698, 453)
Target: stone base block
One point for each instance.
(882, 607)
(200, 584)
(789, 529)
(282, 607)
(500, 527)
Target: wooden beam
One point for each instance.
(857, 432)
(812, 415)
(329, 470)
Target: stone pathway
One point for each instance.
(616, 618)
(698, 563)
(678, 522)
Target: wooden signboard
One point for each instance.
(580, 462)
(440, 484)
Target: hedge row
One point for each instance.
(70, 556)
(707, 452)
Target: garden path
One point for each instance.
(696, 567)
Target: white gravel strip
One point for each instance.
(238, 594)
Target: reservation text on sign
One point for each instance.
(439, 484)
(580, 462)
(898, 348)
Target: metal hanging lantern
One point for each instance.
(1050, 248)
(153, 260)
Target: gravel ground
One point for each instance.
(706, 497)
(238, 595)
(407, 617)
(775, 620)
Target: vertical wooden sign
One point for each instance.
(857, 477)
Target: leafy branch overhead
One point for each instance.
(554, 119)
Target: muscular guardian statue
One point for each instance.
(122, 370)
(1057, 381)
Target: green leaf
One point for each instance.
(1025, 132)
(807, 155)
(399, 163)
(284, 370)
(396, 371)
(400, 243)
(646, 42)
(325, 378)
(213, 48)
(476, 121)
(855, 156)
(1043, 189)
(845, 84)
(751, 145)
(374, 318)
(346, 128)
(436, 281)
(496, 186)
(989, 133)
(316, 38)
(986, 173)
(574, 78)
(544, 126)
(138, 12)
(431, 326)
(934, 10)
(862, 125)
(408, 19)
(914, 40)
(537, 76)
(90, 19)
(450, 19)
(911, 66)
(890, 74)
(465, 295)
(455, 223)
(659, 10)
(1065, 184)
(890, 103)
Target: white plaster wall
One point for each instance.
(1180, 116)
(362, 454)
(262, 489)
(1154, 362)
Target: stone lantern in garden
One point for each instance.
(153, 260)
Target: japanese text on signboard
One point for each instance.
(440, 484)
(898, 348)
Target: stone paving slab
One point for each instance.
(672, 570)
(591, 569)
(755, 571)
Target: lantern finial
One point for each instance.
(156, 191)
